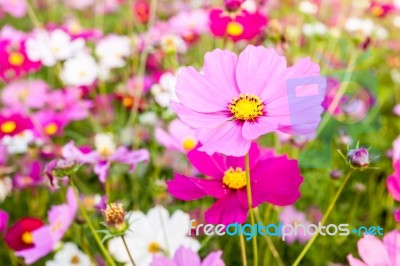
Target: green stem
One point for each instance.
(324, 218)
(127, 250)
(86, 217)
(243, 248)
(250, 202)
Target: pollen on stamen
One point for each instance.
(246, 107)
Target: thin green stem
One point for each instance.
(250, 202)
(243, 249)
(91, 227)
(127, 250)
(324, 218)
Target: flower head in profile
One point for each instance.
(238, 99)
(186, 256)
(179, 137)
(375, 252)
(274, 179)
(154, 233)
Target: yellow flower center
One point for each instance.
(27, 238)
(51, 129)
(75, 260)
(234, 178)
(154, 247)
(127, 101)
(189, 143)
(377, 11)
(8, 127)
(246, 107)
(16, 59)
(234, 28)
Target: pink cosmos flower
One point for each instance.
(16, 8)
(46, 238)
(241, 98)
(179, 137)
(13, 124)
(242, 25)
(274, 179)
(103, 157)
(393, 182)
(25, 94)
(50, 123)
(190, 24)
(29, 177)
(290, 215)
(186, 256)
(375, 252)
(381, 10)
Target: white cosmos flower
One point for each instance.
(5, 187)
(70, 255)
(19, 143)
(48, 48)
(316, 28)
(307, 7)
(104, 143)
(152, 234)
(364, 26)
(112, 50)
(164, 91)
(172, 44)
(81, 70)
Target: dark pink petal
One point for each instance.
(372, 251)
(276, 180)
(213, 166)
(258, 68)
(192, 188)
(199, 94)
(198, 120)
(254, 153)
(219, 67)
(226, 139)
(392, 243)
(226, 210)
(393, 185)
(185, 257)
(213, 259)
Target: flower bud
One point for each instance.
(358, 157)
(233, 5)
(114, 216)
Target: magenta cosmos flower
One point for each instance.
(375, 252)
(185, 256)
(274, 179)
(238, 99)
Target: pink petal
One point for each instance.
(162, 261)
(191, 188)
(372, 251)
(392, 243)
(226, 210)
(101, 169)
(393, 185)
(213, 259)
(226, 139)
(198, 120)
(355, 262)
(263, 125)
(257, 69)
(199, 94)
(254, 153)
(219, 68)
(166, 140)
(185, 257)
(209, 165)
(276, 180)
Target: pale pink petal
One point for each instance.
(258, 68)
(355, 262)
(219, 68)
(226, 210)
(199, 94)
(372, 251)
(199, 120)
(226, 139)
(180, 130)
(185, 257)
(166, 140)
(263, 125)
(392, 243)
(213, 259)
(101, 169)
(213, 166)
(162, 261)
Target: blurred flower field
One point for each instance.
(199, 133)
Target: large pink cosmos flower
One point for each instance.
(374, 252)
(274, 179)
(241, 98)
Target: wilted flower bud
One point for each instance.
(233, 5)
(358, 157)
(114, 215)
